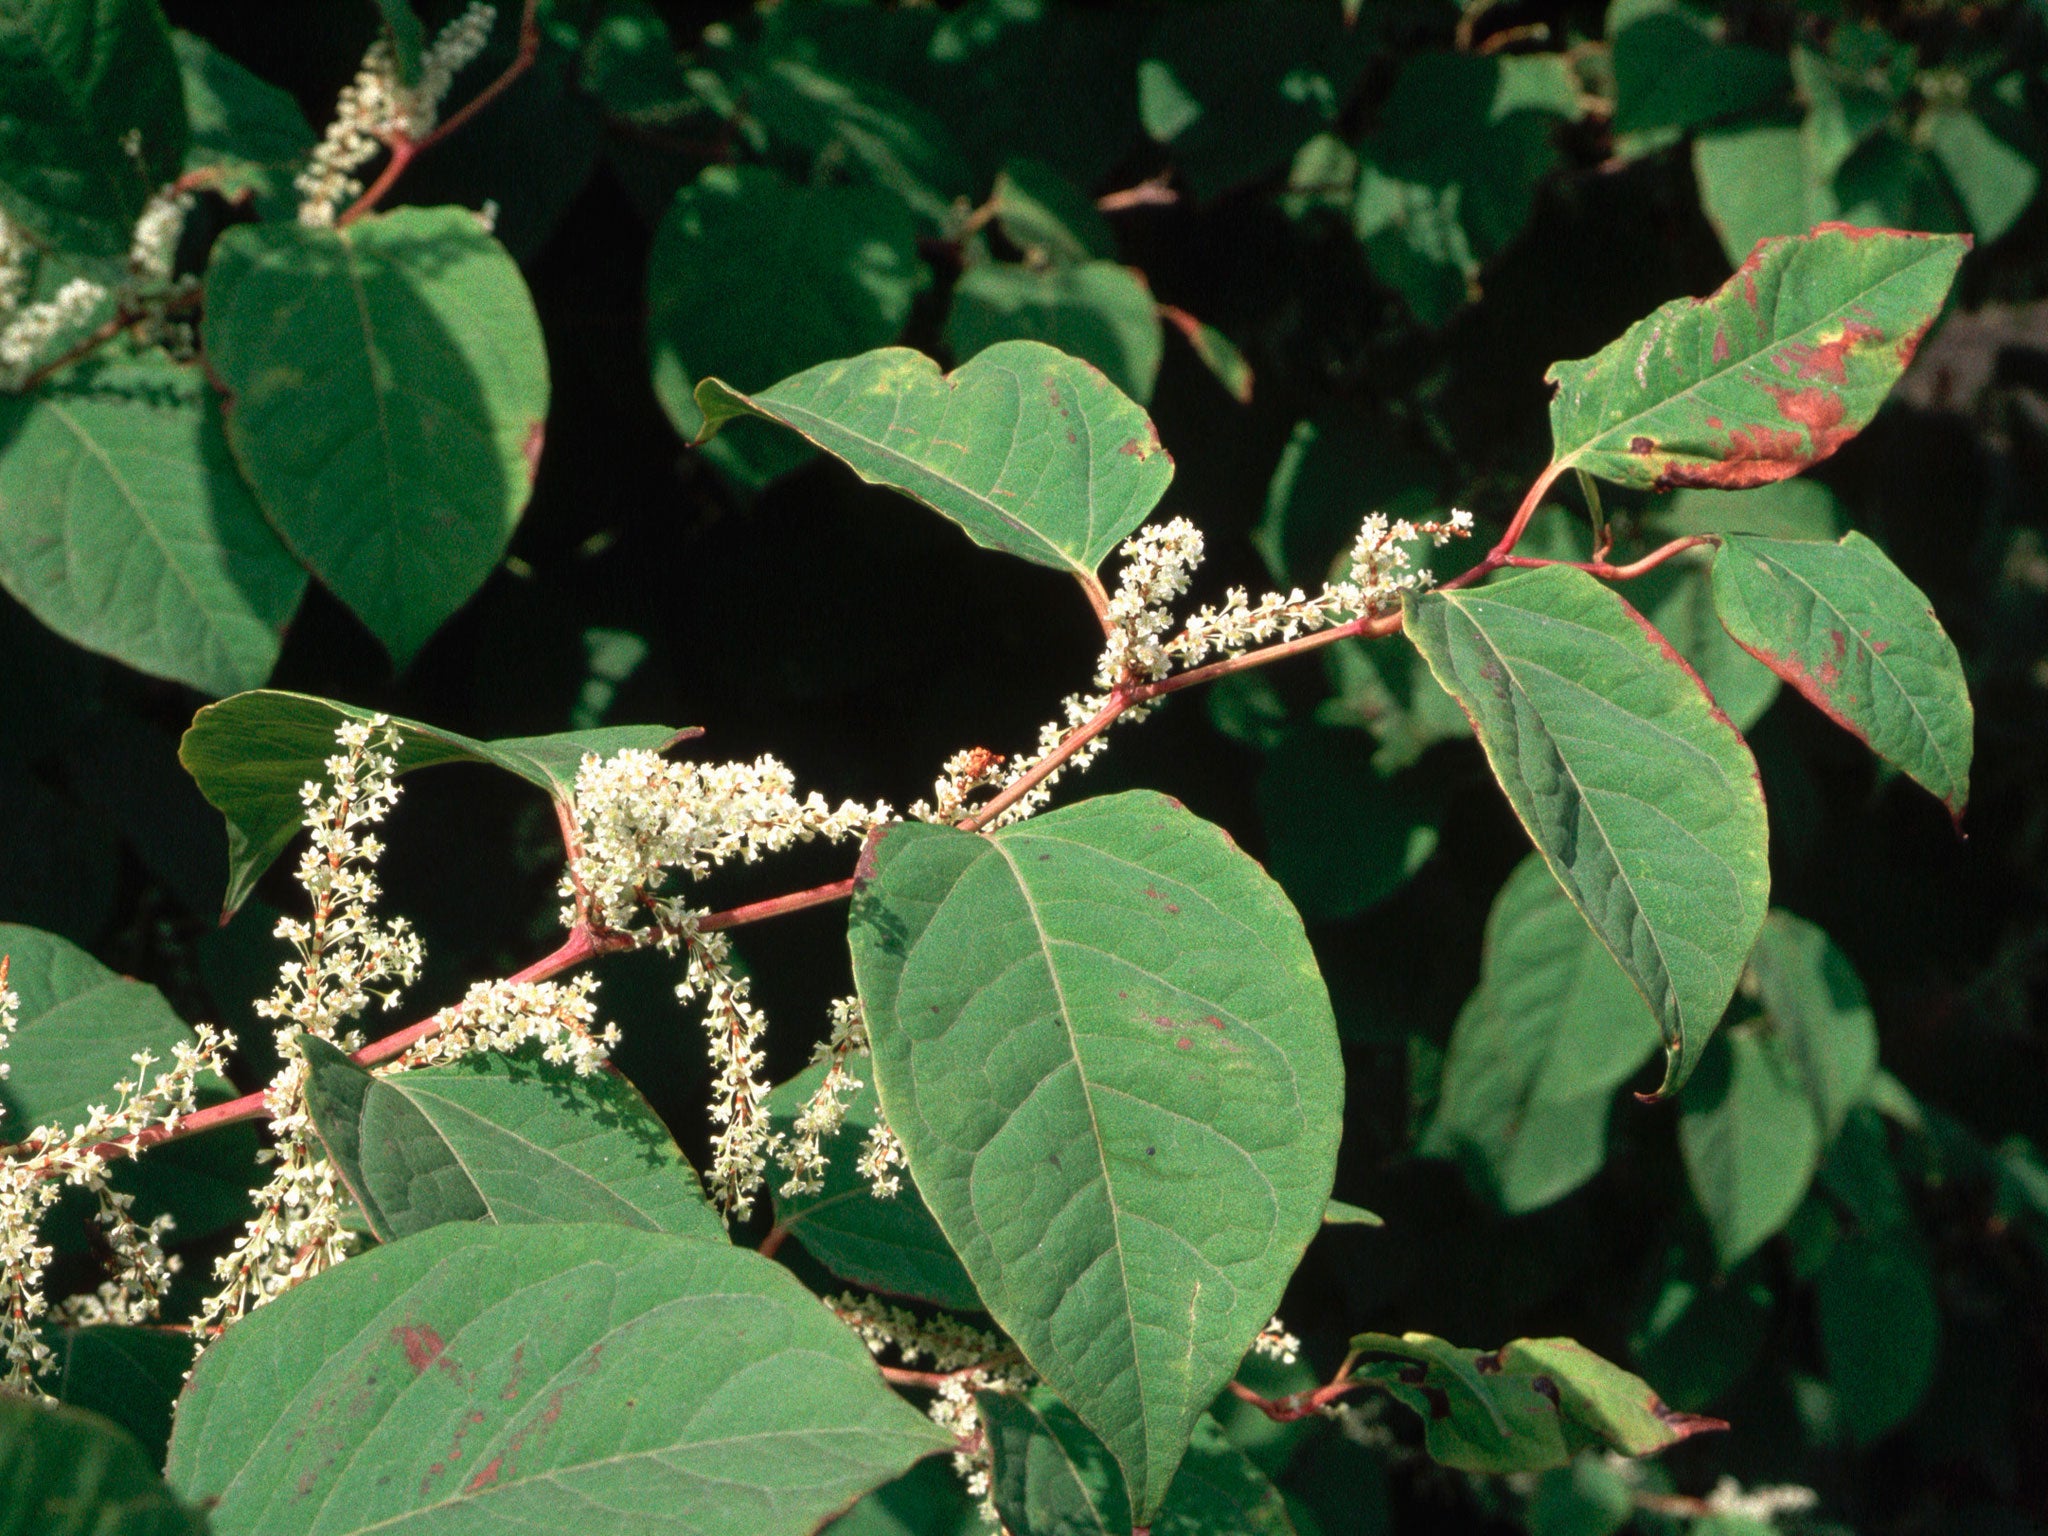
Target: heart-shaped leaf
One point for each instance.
(1553, 1028)
(1103, 1042)
(1844, 626)
(1639, 794)
(1528, 1406)
(387, 394)
(501, 1139)
(890, 1245)
(249, 755)
(1771, 373)
(1030, 451)
(125, 527)
(509, 1379)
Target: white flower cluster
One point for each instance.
(1159, 562)
(344, 953)
(1728, 1497)
(638, 815)
(963, 774)
(803, 1155)
(375, 111)
(968, 1359)
(153, 247)
(741, 1148)
(30, 330)
(1276, 1343)
(504, 1015)
(35, 1172)
(880, 1152)
(15, 252)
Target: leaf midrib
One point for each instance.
(1877, 662)
(1615, 429)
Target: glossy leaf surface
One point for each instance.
(64, 1472)
(504, 1379)
(1768, 375)
(249, 755)
(499, 1139)
(79, 77)
(1641, 797)
(387, 396)
(1528, 1406)
(1553, 1028)
(891, 1245)
(1844, 626)
(1103, 1042)
(1030, 451)
(125, 527)
(1750, 1140)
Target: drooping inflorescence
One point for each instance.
(377, 109)
(504, 1015)
(347, 957)
(36, 1170)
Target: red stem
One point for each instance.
(404, 150)
(776, 906)
(1628, 572)
(1301, 1405)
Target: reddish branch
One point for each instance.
(1302, 1405)
(586, 943)
(404, 150)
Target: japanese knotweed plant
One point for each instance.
(1080, 1109)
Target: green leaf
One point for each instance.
(406, 35)
(249, 755)
(1049, 218)
(753, 279)
(1449, 178)
(1759, 181)
(1875, 1299)
(1030, 451)
(1784, 509)
(1678, 599)
(1781, 365)
(68, 1473)
(1750, 1138)
(83, 81)
(125, 527)
(1097, 311)
(1526, 1407)
(1335, 469)
(79, 1025)
(1701, 1330)
(1672, 69)
(1215, 351)
(1819, 1013)
(1151, 1136)
(1641, 797)
(1995, 179)
(928, 1500)
(500, 1139)
(1553, 1028)
(630, 64)
(248, 132)
(1232, 88)
(1844, 626)
(131, 1375)
(1342, 836)
(387, 394)
(1053, 1477)
(890, 1245)
(1342, 1213)
(506, 1379)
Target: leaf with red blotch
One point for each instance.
(1844, 626)
(1767, 375)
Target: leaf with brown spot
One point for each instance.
(506, 1380)
(1844, 626)
(1526, 1407)
(1767, 375)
